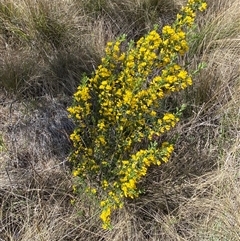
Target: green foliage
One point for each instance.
(118, 113)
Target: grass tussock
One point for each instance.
(45, 49)
(57, 43)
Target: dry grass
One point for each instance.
(45, 48)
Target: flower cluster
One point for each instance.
(118, 112)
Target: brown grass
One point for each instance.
(45, 49)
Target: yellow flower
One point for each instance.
(102, 140)
(153, 113)
(125, 190)
(105, 184)
(74, 187)
(101, 125)
(127, 97)
(203, 6)
(76, 172)
(105, 216)
(168, 30)
(122, 57)
(93, 190)
(182, 74)
(82, 94)
(130, 64)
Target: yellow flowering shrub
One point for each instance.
(118, 112)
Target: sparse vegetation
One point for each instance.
(46, 47)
